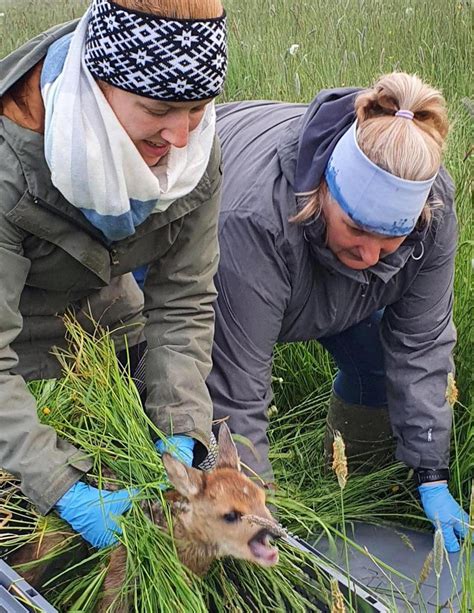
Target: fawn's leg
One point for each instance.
(113, 583)
(30, 552)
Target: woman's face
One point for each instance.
(353, 246)
(152, 125)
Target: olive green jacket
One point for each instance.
(52, 259)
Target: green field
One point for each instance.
(289, 50)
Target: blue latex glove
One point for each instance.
(441, 508)
(91, 512)
(180, 446)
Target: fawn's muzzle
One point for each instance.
(262, 550)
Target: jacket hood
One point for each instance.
(14, 66)
(327, 118)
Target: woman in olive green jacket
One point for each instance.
(108, 162)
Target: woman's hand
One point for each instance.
(441, 508)
(94, 513)
(179, 446)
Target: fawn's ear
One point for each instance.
(185, 480)
(227, 455)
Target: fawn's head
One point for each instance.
(219, 505)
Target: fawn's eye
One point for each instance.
(232, 517)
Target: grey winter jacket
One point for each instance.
(277, 282)
(53, 259)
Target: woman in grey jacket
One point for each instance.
(329, 231)
(109, 161)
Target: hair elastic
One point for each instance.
(405, 113)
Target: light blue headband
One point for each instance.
(372, 197)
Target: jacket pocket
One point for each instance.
(52, 235)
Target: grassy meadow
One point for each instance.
(289, 50)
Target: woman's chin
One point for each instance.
(352, 262)
(151, 160)
(151, 157)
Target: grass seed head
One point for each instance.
(438, 552)
(451, 390)
(339, 462)
(337, 599)
(272, 527)
(406, 541)
(426, 568)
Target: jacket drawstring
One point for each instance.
(422, 253)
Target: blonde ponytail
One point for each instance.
(408, 148)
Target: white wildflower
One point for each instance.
(293, 50)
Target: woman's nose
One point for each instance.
(369, 251)
(176, 133)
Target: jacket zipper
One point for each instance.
(114, 257)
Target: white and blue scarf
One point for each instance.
(94, 163)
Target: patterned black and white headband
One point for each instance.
(156, 57)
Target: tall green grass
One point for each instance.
(96, 407)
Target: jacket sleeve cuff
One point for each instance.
(175, 424)
(417, 460)
(45, 498)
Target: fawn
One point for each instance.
(215, 514)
